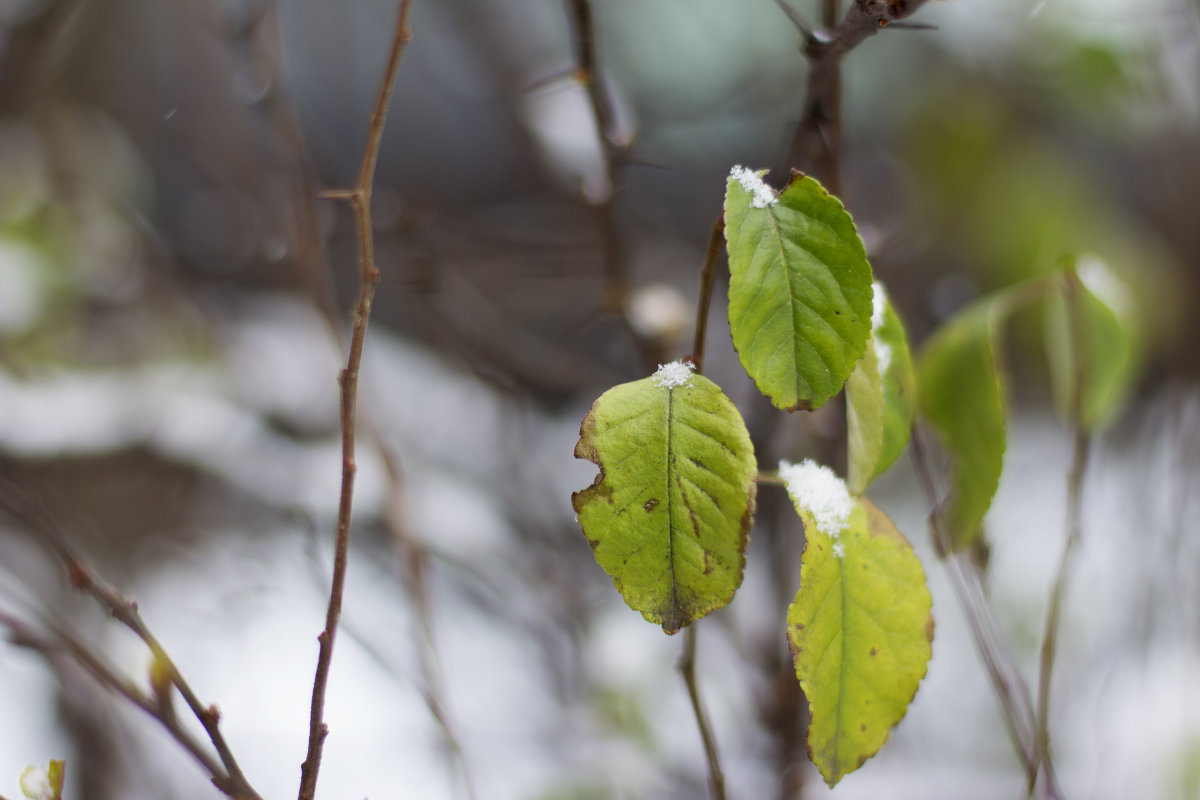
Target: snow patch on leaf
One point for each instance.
(878, 305)
(883, 356)
(1099, 279)
(819, 491)
(673, 375)
(761, 194)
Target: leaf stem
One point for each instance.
(1080, 450)
(708, 277)
(359, 198)
(687, 667)
(771, 478)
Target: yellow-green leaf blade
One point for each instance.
(799, 289)
(860, 630)
(864, 421)
(880, 397)
(668, 516)
(899, 386)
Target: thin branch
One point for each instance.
(22, 635)
(708, 277)
(797, 19)
(1080, 450)
(360, 201)
(687, 667)
(227, 775)
(829, 13)
(616, 294)
(313, 268)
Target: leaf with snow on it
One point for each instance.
(799, 288)
(669, 514)
(880, 397)
(860, 631)
(44, 784)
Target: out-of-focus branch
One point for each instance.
(1082, 442)
(687, 668)
(615, 154)
(1006, 680)
(226, 774)
(708, 277)
(359, 198)
(817, 143)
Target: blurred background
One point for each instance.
(172, 306)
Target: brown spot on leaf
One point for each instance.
(874, 651)
(650, 504)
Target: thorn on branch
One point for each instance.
(78, 575)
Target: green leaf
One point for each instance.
(880, 402)
(799, 288)
(961, 394)
(44, 784)
(1109, 335)
(864, 421)
(669, 513)
(860, 630)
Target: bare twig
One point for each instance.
(226, 774)
(708, 277)
(687, 667)
(360, 200)
(313, 269)
(1075, 481)
(23, 635)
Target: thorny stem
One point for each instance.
(687, 667)
(360, 200)
(1006, 681)
(708, 277)
(1080, 450)
(226, 774)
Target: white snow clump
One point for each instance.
(673, 375)
(820, 492)
(752, 182)
(883, 351)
